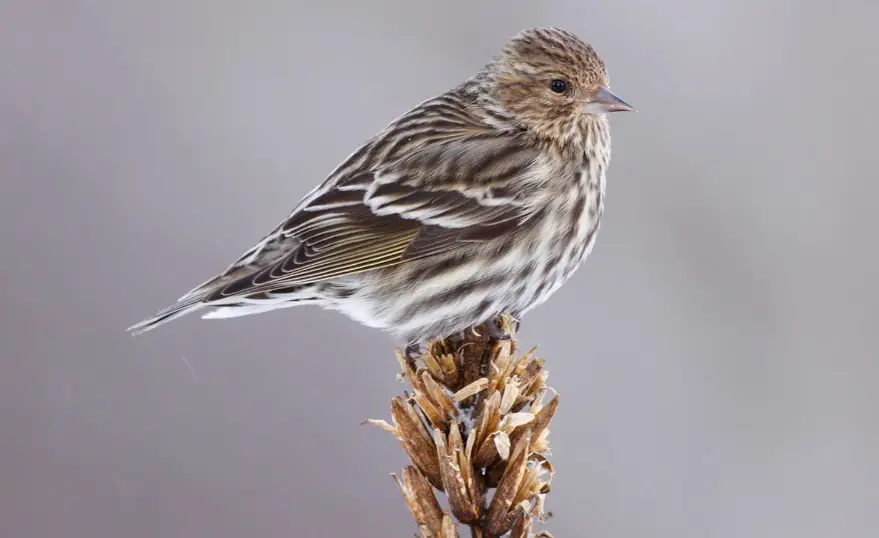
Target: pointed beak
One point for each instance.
(604, 101)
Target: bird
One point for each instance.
(478, 202)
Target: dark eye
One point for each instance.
(558, 85)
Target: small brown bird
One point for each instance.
(480, 201)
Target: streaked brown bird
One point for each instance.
(480, 201)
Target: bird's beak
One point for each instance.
(604, 101)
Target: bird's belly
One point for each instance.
(437, 296)
(559, 268)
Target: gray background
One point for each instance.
(716, 356)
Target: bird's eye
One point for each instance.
(558, 85)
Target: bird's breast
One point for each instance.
(577, 222)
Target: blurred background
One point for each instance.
(716, 356)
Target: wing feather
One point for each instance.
(375, 217)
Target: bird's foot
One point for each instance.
(502, 327)
(414, 350)
(496, 332)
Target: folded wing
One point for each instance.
(430, 202)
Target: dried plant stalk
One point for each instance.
(475, 428)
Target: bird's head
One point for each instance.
(552, 83)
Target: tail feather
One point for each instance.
(230, 307)
(163, 316)
(244, 309)
(208, 293)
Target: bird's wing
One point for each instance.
(428, 202)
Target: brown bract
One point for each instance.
(475, 428)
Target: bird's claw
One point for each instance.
(414, 350)
(496, 331)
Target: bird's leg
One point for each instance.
(413, 350)
(496, 330)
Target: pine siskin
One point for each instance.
(480, 201)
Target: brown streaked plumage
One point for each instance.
(480, 201)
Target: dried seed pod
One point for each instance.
(416, 443)
(420, 499)
(439, 397)
(499, 519)
(470, 390)
(475, 420)
(458, 485)
(522, 526)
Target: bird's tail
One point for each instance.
(230, 307)
(163, 316)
